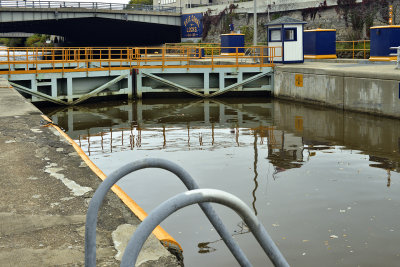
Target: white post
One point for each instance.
(206, 83)
(69, 90)
(130, 86)
(54, 90)
(206, 112)
(34, 88)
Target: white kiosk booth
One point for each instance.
(287, 33)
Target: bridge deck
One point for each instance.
(86, 5)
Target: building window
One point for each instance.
(275, 35)
(166, 2)
(291, 34)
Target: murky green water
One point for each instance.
(325, 183)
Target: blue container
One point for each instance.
(320, 43)
(230, 41)
(199, 52)
(382, 38)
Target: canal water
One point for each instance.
(325, 183)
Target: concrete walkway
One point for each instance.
(345, 68)
(45, 188)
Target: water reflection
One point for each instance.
(332, 171)
(206, 247)
(287, 129)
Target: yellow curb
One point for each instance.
(159, 232)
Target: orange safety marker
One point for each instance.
(166, 239)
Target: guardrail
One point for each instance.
(86, 5)
(396, 54)
(44, 60)
(195, 195)
(209, 44)
(353, 47)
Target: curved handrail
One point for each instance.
(200, 196)
(105, 186)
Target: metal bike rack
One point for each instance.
(105, 186)
(199, 196)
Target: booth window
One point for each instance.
(275, 35)
(291, 34)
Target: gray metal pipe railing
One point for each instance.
(200, 196)
(105, 186)
(396, 54)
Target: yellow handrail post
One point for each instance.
(212, 58)
(27, 59)
(53, 58)
(109, 60)
(353, 49)
(237, 57)
(36, 62)
(163, 57)
(8, 60)
(364, 49)
(187, 58)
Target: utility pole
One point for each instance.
(255, 23)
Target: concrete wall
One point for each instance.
(370, 88)
(247, 7)
(270, 9)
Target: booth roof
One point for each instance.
(285, 20)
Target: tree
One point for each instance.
(357, 15)
(141, 2)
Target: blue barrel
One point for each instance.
(230, 41)
(382, 38)
(320, 43)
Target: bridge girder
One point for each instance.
(34, 14)
(95, 31)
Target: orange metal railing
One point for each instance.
(76, 59)
(169, 45)
(353, 47)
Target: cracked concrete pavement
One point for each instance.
(45, 191)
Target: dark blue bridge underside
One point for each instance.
(99, 31)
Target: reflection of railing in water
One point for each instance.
(255, 173)
(116, 138)
(132, 141)
(204, 247)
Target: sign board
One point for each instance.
(298, 123)
(192, 26)
(298, 80)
